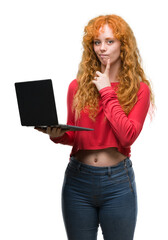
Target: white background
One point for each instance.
(42, 39)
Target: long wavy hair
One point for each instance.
(129, 75)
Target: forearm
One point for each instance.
(126, 128)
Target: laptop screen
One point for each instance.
(36, 103)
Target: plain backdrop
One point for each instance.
(42, 39)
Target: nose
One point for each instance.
(103, 47)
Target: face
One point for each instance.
(106, 46)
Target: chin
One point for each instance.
(104, 62)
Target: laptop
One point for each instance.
(37, 106)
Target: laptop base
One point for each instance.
(67, 127)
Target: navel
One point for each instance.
(96, 158)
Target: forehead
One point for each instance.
(105, 31)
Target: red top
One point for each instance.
(112, 127)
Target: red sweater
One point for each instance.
(112, 127)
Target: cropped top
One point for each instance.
(112, 127)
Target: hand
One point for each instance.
(103, 78)
(53, 132)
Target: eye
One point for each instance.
(110, 41)
(96, 42)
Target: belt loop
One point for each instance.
(109, 172)
(125, 163)
(78, 167)
(129, 163)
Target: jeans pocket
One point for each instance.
(118, 177)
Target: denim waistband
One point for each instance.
(99, 170)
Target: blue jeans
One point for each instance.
(99, 195)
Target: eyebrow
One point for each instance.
(105, 38)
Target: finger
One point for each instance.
(96, 78)
(107, 70)
(58, 130)
(65, 130)
(43, 130)
(48, 131)
(98, 73)
(53, 131)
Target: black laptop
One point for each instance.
(37, 106)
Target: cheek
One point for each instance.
(115, 52)
(95, 50)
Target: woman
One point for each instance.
(112, 96)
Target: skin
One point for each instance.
(52, 132)
(106, 44)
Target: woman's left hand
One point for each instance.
(103, 78)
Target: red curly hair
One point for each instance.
(129, 75)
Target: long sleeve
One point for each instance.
(126, 128)
(68, 137)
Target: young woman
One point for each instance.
(111, 95)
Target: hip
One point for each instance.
(87, 178)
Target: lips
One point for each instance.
(103, 55)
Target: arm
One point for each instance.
(126, 128)
(68, 137)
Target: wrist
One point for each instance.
(103, 88)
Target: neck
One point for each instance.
(114, 69)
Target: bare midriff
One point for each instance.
(101, 157)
